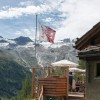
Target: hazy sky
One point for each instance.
(70, 18)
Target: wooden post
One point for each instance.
(44, 72)
(33, 82)
(84, 88)
(48, 72)
(67, 74)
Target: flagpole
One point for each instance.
(36, 35)
(33, 69)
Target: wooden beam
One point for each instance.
(67, 75)
(33, 82)
(48, 72)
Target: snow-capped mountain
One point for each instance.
(22, 40)
(6, 42)
(22, 49)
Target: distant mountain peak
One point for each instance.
(1, 37)
(22, 40)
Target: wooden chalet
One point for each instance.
(89, 51)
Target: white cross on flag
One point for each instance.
(47, 34)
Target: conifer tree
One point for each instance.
(26, 88)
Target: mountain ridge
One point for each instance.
(22, 40)
(46, 53)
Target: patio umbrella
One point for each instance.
(64, 63)
(76, 70)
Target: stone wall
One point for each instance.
(92, 82)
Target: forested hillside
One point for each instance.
(11, 76)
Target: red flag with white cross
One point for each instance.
(47, 34)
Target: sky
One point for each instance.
(69, 18)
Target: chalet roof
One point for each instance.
(88, 36)
(91, 51)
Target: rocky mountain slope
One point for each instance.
(22, 49)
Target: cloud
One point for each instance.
(48, 19)
(26, 3)
(25, 32)
(29, 7)
(82, 16)
(73, 18)
(19, 11)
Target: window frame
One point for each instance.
(95, 71)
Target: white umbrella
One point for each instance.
(64, 63)
(76, 70)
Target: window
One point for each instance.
(98, 70)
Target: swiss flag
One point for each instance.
(47, 34)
